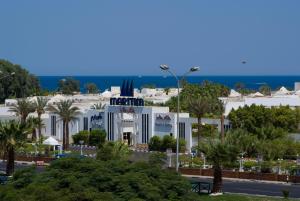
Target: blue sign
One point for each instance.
(127, 89)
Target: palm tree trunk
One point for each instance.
(64, 135)
(217, 182)
(33, 137)
(67, 135)
(199, 130)
(10, 165)
(222, 128)
(40, 126)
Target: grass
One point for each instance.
(234, 197)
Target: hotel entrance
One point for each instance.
(127, 138)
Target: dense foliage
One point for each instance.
(13, 134)
(92, 138)
(91, 88)
(19, 85)
(68, 85)
(86, 179)
(167, 142)
(272, 147)
(193, 91)
(261, 120)
(219, 154)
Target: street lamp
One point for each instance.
(165, 67)
(241, 169)
(81, 143)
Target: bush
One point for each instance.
(266, 167)
(94, 138)
(157, 158)
(249, 164)
(81, 136)
(97, 137)
(168, 142)
(155, 143)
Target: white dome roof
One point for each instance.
(234, 93)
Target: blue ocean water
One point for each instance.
(105, 82)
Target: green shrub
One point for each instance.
(157, 158)
(250, 164)
(155, 143)
(81, 136)
(94, 138)
(97, 137)
(168, 142)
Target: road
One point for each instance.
(256, 188)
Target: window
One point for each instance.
(85, 123)
(53, 125)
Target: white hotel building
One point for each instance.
(128, 121)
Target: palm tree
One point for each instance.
(200, 106)
(67, 114)
(167, 90)
(98, 106)
(219, 108)
(218, 153)
(22, 108)
(12, 135)
(34, 123)
(40, 105)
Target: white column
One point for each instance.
(77, 126)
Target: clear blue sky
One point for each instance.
(132, 37)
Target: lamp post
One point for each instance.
(81, 143)
(279, 165)
(165, 67)
(241, 169)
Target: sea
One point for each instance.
(105, 82)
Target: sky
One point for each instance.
(133, 37)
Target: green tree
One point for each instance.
(20, 84)
(97, 137)
(22, 108)
(168, 142)
(81, 136)
(68, 85)
(198, 107)
(99, 106)
(40, 106)
(155, 143)
(33, 124)
(12, 135)
(67, 113)
(113, 151)
(265, 89)
(86, 179)
(91, 88)
(218, 154)
(239, 86)
(167, 90)
(259, 119)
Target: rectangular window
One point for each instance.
(85, 123)
(53, 125)
(110, 126)
(182, 130)
(145, 128)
